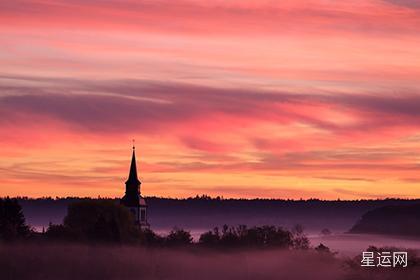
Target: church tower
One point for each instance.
(132, 198)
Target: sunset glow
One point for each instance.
(304, 99)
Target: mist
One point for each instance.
(108, 262)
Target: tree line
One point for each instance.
(105, 221)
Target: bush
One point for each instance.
(12, 220)
(324, 250)
(321, 248)
(300, 241)
(149, 238)
(60, 233)
(266, 236)
(210, 238)
(178, 237)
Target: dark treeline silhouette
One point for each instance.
(204, 212)
(105, 221)
(391, 220)
(260, 237)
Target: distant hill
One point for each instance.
(205, 213)
(391, 220)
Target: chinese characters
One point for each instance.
(384, 259)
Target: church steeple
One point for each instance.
(132, 176)
(132, 198)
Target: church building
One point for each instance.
(132, 198)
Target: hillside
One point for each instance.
(391, 220)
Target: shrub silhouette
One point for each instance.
(229, 237)
(321, 248)
(178, 237)
(325, 251)
(12, 220)
(60, 233)
(210, 238)
(147, 237)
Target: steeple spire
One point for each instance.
(132, 198)
(132, 176)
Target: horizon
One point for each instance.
(204, 197)
(235, 99)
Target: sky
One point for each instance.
(270, 99)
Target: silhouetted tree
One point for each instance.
(210, 238)
(268, 236)
(178, 237)
(12, 220)
(229, 237)
(99, 221)
(300, 241)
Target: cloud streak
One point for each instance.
(148, 106)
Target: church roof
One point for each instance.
(132, 176)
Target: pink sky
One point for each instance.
(233, 98)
